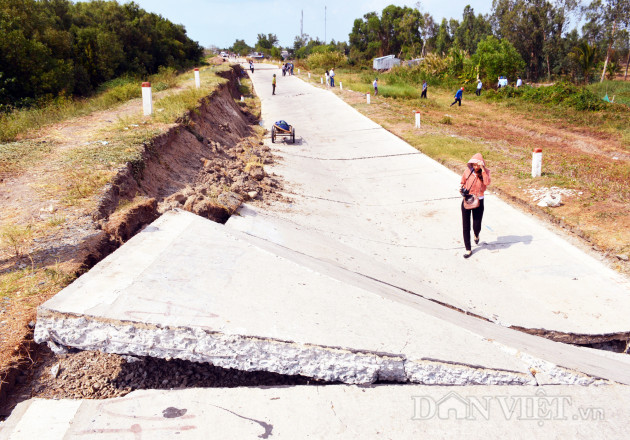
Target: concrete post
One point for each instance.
(197, 79)
(147, 99)
(242, 99)
(417, 118)
(340, 85)
(321, 80)
(309, 75)
(298, 71)
(537, 162)
(368, 98)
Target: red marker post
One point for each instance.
(147, 99)
(537, 162)
(197, 79)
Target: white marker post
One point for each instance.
(147, 99)
(417, 118)
(242, 99)
(340, 85)
(309, 75)
(298, 71)
(197, 79)
(537, 162)
(368, 98)
(321, 80)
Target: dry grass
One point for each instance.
(21, 291)
(20, 123)
(15, 157)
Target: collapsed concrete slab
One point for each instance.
(188, 288)
(356, 184)
(332, 412)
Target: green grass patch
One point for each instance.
(20, 122)
(620, 90)
(447, 148)
(174, 106)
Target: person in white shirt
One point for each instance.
(331, 74)
(519, 82)
(479, 86)
(375, 84)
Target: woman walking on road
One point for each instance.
(475, 179)
(273, 84)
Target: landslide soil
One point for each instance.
(96, 375)
(208, 162)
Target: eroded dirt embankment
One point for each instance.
(209, 163)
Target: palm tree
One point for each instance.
(586, 55)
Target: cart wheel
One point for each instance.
(293, 134)
(273, 134)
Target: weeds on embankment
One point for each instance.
(21, 121)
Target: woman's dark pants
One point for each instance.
(477, 215)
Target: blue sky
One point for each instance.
(221, 22)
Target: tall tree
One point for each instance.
(443, 39)
(266, 42)
(534, 27)
(610, 16)
(396, 31)
(241, 47)
(471, 30)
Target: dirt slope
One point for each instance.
(208, 163)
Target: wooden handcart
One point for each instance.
(278, 131)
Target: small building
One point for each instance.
(386, 62)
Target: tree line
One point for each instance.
(56, 47)
(542, 34)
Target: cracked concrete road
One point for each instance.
(348, 283)
(371, 203)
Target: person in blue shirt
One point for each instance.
(458, 97)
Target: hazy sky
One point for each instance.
(221, 22)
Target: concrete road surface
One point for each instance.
(331, 412)
(371, 203)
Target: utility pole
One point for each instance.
(325, 40)
(302, 25)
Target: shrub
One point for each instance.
(561, 93)
(326, 60)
